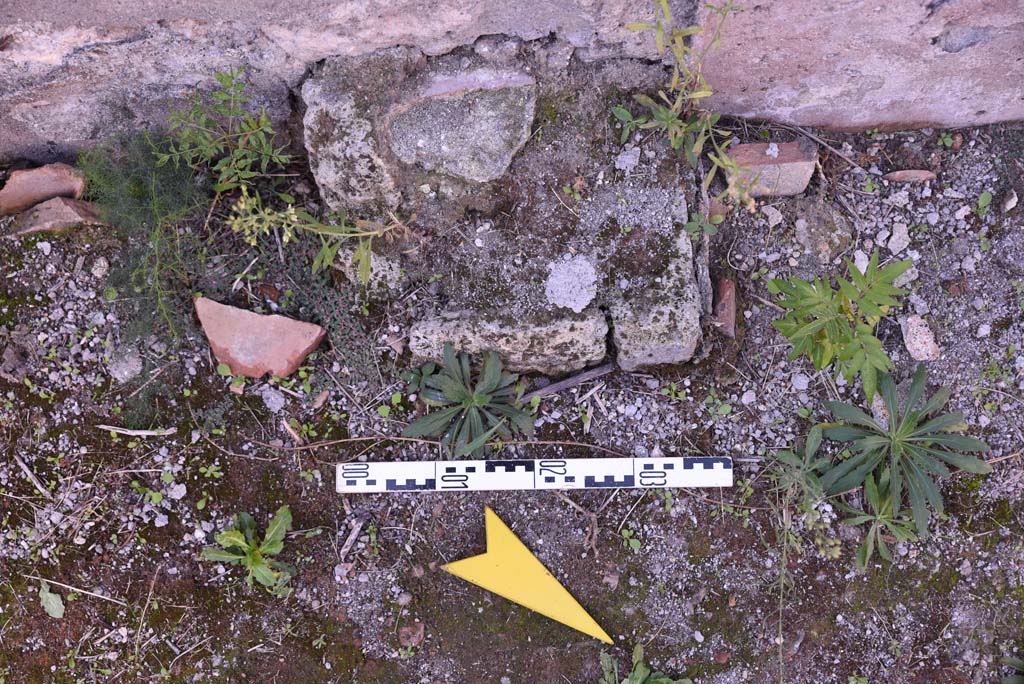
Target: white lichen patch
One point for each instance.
(572, 283)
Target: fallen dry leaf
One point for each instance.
(909, 176)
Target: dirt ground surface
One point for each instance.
(116, 522)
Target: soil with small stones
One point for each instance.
(117, 522)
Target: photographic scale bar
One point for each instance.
(529, 474)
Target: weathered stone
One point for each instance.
(571, 283)
(857, 65)
(125, 364)
(660, 325)
(773, 215)
(54, 216)
(339, 132)
(18, 357)
(775, 169)
(900, 239)
(918, 339)
(411, 636)
(468, 125)
(29, 187)
(822, 231)
(387, 277)
(909, 176)
(907, 277)
(273, 398)
(252, 344)
(627, 160)
(1010, 201)
(74, 73)
(553, 348)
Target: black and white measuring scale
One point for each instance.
(526, 474)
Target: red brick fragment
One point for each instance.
(775, 169)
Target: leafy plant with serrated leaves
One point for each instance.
(640, 673)
(915, 447)
(1015, 664)
(676, 113)
(885, 520)
(471, 408)
(239, 546)
(235, 145)
(837, 324)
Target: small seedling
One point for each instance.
(211, 472)
(150, 496)
(945, 140)
(373, 545)
(716, 406)
(416, 379)
(699, 224)
(238, 546)
(585, 418)
(630, 540)
(982, 206)
(639, 674)
(675, 392)
(882, 518)
(1018, 289)
(629, 122)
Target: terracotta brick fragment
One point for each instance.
(776, 169)
(253, 344)
(29, 187)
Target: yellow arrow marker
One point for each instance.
(509, 570)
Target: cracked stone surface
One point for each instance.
(662, 324)
(469, 124)
(556, 347)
